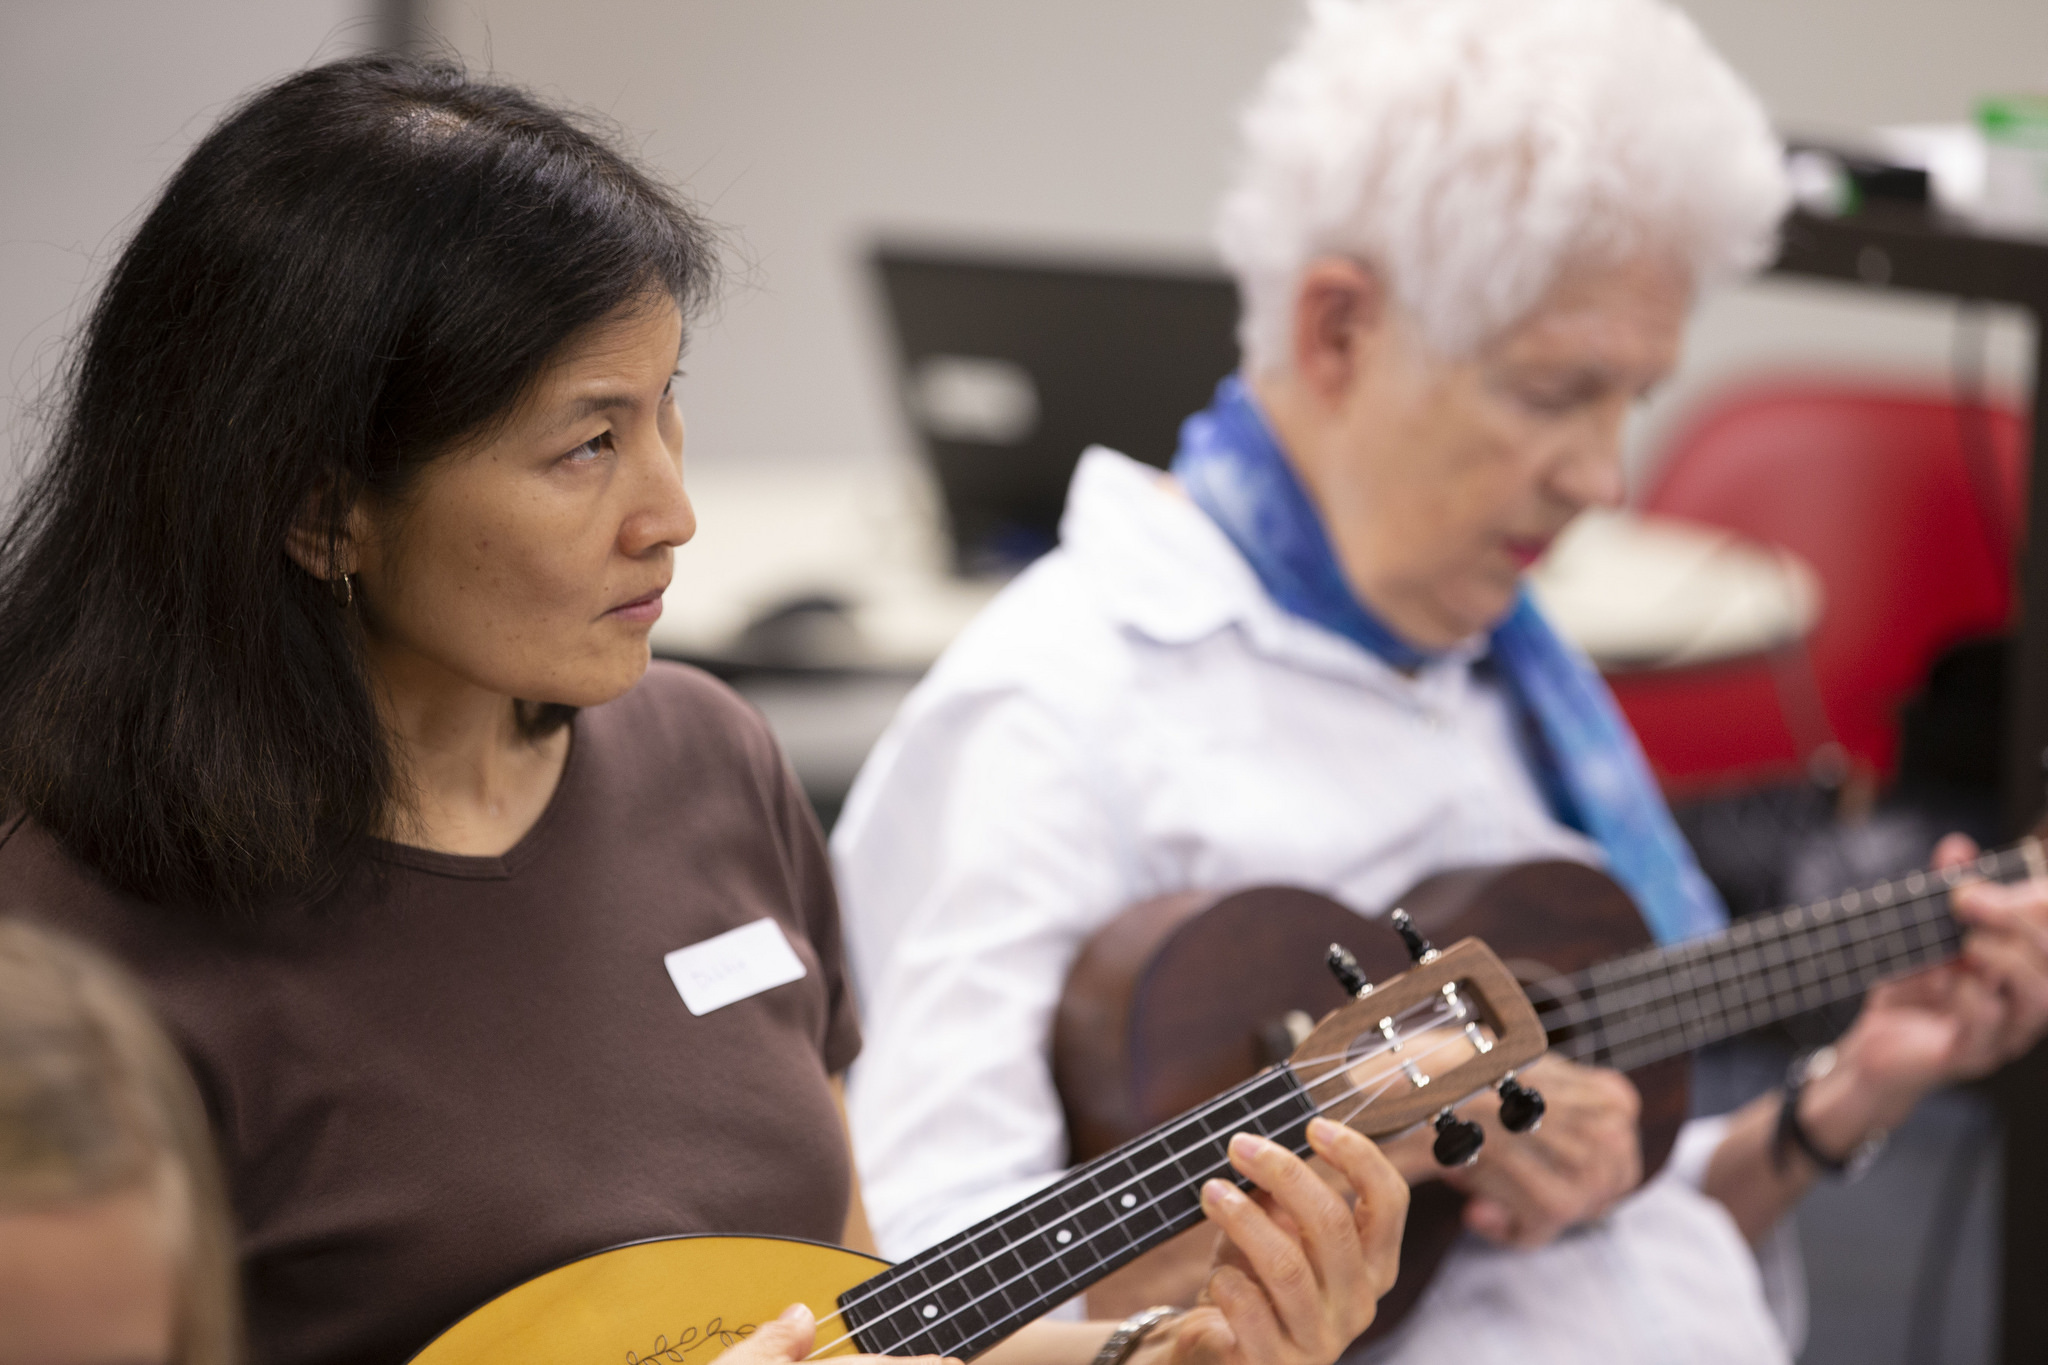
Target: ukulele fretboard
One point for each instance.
(1660, 1002)
(970, 1291)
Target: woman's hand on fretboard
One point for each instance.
(1301, 1270)
(1954, 1022)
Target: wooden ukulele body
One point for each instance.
(669, 1301)
(1179, 998)
(683, 1300)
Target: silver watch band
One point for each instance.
(1791, 1133)
(1130, 1332)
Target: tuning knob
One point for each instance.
(1349, 974)
(1418, 947)
(1521, 1108)
(1457, 1140)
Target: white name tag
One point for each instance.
(734, 965)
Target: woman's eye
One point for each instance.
(1540, 401)
(1553, 399)
(592, 449)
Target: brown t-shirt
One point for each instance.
(461, 1072)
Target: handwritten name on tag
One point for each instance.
(733, 965)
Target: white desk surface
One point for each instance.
(869, 541)
(1633, 591)
(1640, 592)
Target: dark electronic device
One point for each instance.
(1008, 369)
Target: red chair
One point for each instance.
(1907, 506)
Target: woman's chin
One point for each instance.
(607, 677)
(1473, 608)
(1493, 599)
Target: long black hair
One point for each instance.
(363, 265)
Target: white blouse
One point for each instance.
(1134, 716)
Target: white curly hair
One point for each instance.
(1470, 150)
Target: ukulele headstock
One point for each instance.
(1410, 1049)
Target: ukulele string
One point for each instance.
(1853, 933)
(1838, 982)
(1655, 990)
(1645, 978)
(1386, 1083)
(1383, 1084)
(1834, 960)
(1853, 906)
(1864, 928)
(1334, 1060)
(1581, 997)
(1646, 1027)
(1665, 1017)
(1992, 865)
(1648, 967)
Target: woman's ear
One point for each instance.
(1340, 310)
(312, 543)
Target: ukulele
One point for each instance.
(1404, 1052)
(1181, 996)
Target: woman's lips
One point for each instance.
(641, 610)
(1525, 552)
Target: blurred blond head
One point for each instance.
(114, 1231)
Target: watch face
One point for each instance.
(1865, 1156)
(1791, 1133)
(1816, 1064)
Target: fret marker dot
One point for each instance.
(1129, 1201)
(1063, 1236)
(931, 1310)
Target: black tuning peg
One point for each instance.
(1349, 974)
(1521, 1108)
(1457, 1140)
(1418, 947)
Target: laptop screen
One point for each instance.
(1009, 368)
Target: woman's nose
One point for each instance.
(1588, 473)
(662, 514)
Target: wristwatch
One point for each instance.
(1791, 1133)
(1132, 1330)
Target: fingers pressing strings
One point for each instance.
(1314, 1289)
(1353, 1100)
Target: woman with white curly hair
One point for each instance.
(1467, 234)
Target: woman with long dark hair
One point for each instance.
(325, 705)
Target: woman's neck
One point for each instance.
(471, 781)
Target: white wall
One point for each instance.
(808, 126)
(98, 101)
(1847, 64)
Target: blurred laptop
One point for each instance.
(1009, 368)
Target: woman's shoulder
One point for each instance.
(1045, 642)
(680, 689)
(683, 754)
(677, 694)
(31, 862)
(43, 881)
(677, 714)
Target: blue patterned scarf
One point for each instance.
(1586, 760)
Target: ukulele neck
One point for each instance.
(1661, 1002)
(967, 1293)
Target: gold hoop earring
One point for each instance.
(344, 590)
